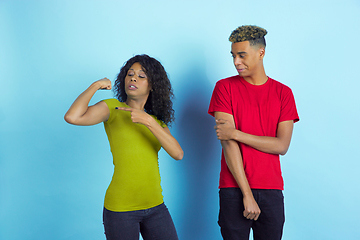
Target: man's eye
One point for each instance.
(242, 56)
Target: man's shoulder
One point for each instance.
(280, 85)
(229, 80)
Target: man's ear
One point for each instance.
(262, 52)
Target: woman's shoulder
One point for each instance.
(113, 102)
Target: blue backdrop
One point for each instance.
(54, 175)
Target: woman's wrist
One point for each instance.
(96, 85)
(150, 121)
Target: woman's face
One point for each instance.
(136, 82)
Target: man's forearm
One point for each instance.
(274, 145)
(266, 144)
(235, 164)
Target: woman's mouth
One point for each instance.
(132, 87)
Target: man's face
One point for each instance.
(246, 58)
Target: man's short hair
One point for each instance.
(254, 34)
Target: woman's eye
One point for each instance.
(130, 74)
(142, 76)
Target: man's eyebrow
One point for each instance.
(239, 52)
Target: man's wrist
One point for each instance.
(234, 134)
(248, 194)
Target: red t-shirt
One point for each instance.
(257, 110)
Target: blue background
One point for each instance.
(54, 175)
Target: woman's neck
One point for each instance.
(136, 103)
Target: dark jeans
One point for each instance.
(153, 224)
(234, 225)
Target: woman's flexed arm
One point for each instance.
(81, 114)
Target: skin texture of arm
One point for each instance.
(81, 114)
(167, 141)
(234, 162)
(274, 145)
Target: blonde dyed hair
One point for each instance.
(254, 34)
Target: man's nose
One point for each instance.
(237, 61)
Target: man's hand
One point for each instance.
(224, 130)
(252, 210)
(137, 116)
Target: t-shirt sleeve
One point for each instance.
(111, 103)
(288, 107)
(161, 123)
(220, 99)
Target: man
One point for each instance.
(254, 121)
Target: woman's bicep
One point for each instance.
(95, 114)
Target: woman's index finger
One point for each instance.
(124, 109)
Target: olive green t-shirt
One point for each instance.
(135, 184)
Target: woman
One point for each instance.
(136, 126)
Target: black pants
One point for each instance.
(234, 225)
(153, 224)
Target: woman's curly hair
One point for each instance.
(159, 102)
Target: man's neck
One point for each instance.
(259, 78)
